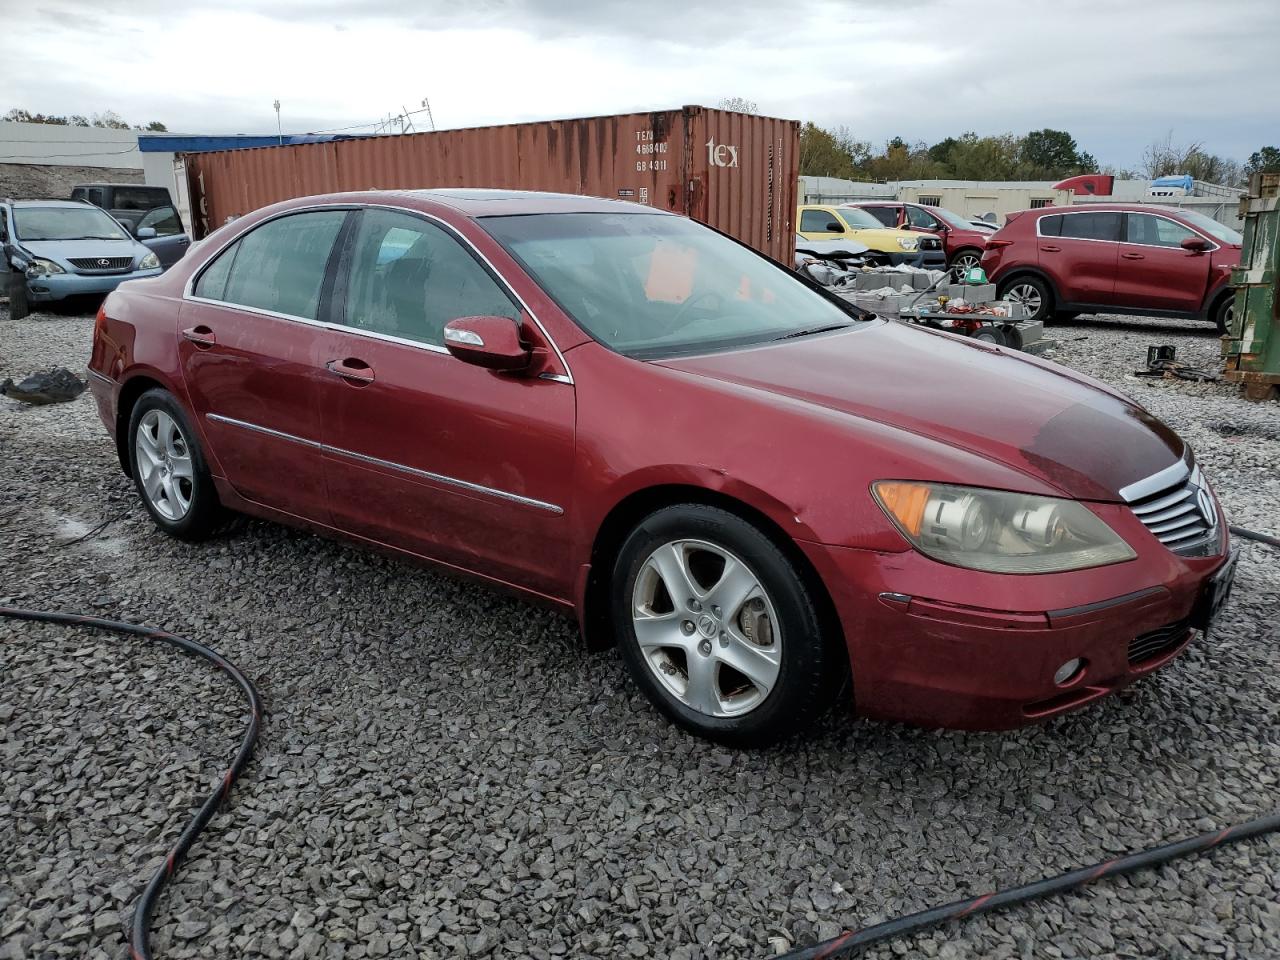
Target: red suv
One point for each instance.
(1116, 258)
(961, 240)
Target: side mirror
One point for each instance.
(1195, 244)
(491, 342)
(834, 226)
(145, 233)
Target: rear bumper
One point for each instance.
(989, 663)
(63, 285)
(105, 394)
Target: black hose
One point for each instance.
(140, 940)
(852, 941)
(1253, 535)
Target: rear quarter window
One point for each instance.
(1051, 226)
(139, 198)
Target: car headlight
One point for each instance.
(908, 243)
(998, 531)
(40, 267)
(149, 262)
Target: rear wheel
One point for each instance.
(1033, 293)
(719, 629)
(169, 470)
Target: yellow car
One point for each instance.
(824, 222)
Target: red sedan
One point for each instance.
(755, 490)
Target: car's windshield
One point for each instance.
(65, 223)
(1211, 226)
(954, 219)
(647, 285)
(859, 219)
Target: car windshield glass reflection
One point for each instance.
(649, 286)
(65, 223)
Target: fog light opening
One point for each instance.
(1069, 672)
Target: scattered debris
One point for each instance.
(56, 385)
(1161, 363)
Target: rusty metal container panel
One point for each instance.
(733, 171)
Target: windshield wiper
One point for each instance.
(809, 331)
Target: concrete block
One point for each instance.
(971, 293)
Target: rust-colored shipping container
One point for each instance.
(736, 172)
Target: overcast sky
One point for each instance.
(1117, 74)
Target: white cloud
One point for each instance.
(1115, 74)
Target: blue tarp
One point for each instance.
(177, 143)
(1183, 180)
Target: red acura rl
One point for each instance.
(753, 489)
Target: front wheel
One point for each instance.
(1224, 313)
(719, 629)
(962, 262)
(169, 470)
(1033, 293)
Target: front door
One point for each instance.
(170, 242)
(252, 357)
(427, 453)
(1155, 272)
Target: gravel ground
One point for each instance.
(443, 773)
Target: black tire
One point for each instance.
(811, 666)
(19, 308)
(1044, 312)
(992, 334)
(1223, 311)
(962, 255)
(205, 517)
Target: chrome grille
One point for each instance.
(1177, 507)
(101, 263)
(1156, 643)
(930, 243)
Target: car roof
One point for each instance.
(494, 203)
(1110, 208)
(108, 183)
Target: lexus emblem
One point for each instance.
(104, 262)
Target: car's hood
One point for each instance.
(1050, 424)
(64, 249)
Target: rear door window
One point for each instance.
(886, 215)
(279, 266)
(1091, 226)
(139, 198)
(410, 277)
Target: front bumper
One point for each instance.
(59, 286)
(939, 646)
(928, 259)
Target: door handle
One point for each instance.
(183, 241)
(200, 335)
(1050, 248)
(1133, 256)
(351, 369)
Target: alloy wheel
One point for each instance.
(707, 628)
(962, 264)
(1027, 295)
(164, 463)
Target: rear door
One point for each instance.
(1154, 272)
(1079, 252)
(252, 355)
(427, 453)
(170, 241)
(887, 213)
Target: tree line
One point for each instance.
(108, 119)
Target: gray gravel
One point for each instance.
(443, 773)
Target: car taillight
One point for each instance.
(100, 322)
(992, 244)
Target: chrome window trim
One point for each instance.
(187, 291)
(403, 468)
(1177, 473)
(1059, 212)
